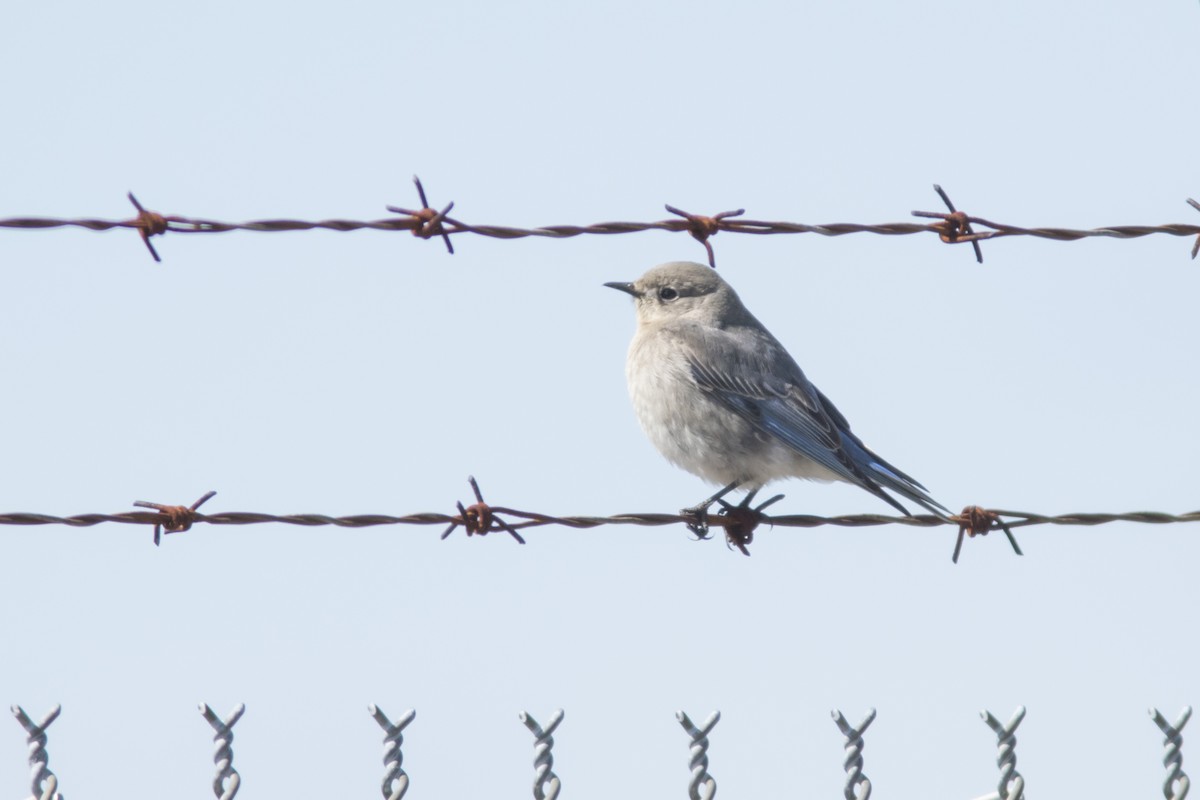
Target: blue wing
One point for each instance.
(759, 381)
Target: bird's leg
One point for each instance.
(749, 498)
(700, 511)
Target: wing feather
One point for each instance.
(759, 381)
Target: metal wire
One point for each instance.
(1177, 784)
(481, 518)
(858, 785)
(701, 786)
(395, 779)
(1012, 785)
(955, 227)
(534, 519)
(43, 783)
(227, 781)
(546, 784)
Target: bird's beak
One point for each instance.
(628, 288)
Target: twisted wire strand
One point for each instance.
(43, 783)
(546, 784)
(956, 227)
(1011, 785)
(1177, 784)
(533, 519)
(702, 785)
(858, 785)
(227, 780)
(184, 224)
(395, 779)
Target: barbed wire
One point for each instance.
(953, 227)
(482, 518)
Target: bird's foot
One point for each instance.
(698, 523)
(741, 520)
(699, 517)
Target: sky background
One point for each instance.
(346, 373)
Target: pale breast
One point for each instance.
(690, 428)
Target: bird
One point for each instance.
(719, 396)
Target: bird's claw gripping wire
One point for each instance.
(429, 220)
(696, 520)
(741, 520)
(479, 518)
(738, 521)
(174, 519)
(702, 227)
(696, 517)
(975, 521)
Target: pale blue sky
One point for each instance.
(371, 372)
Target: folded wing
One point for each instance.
(760, 382)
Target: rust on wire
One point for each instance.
(174, 519)
(429, 220)
(701, 227)
(955, 226)
(148, 223)
(741, 520)
(480, 518)
(975, 521)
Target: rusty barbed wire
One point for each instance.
(482, 518)
(955, 227)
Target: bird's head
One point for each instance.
(680, 289)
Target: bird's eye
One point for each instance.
(667, 294)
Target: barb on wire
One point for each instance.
(429, 220)
(740, 521)
(975, 521)
(395, 779)
(1011, 785)
(703, 228)
(546, 784)
(225, 784)
(701, 786)
(174, 519)
(858, 785)
(480, 518)
(1196, 246)
(426, 222)
(1177, 783)
(148, 223)
(43, 783)
(955, 226)
(519, 521)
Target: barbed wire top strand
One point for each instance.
(426, 222)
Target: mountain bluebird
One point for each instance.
(719, 396)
